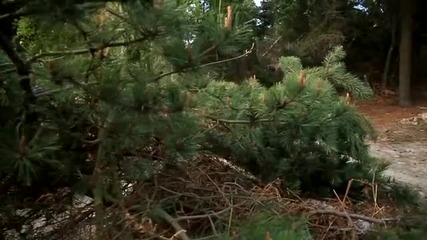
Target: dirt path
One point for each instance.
(402, 143)
(409, 162)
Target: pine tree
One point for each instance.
(300, 130)
(95, 94)
(307, 29)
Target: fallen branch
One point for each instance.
(351, 215)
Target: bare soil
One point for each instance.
(402, 139)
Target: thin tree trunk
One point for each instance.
(389, 55)
(405, 53)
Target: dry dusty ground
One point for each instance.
(402, 143)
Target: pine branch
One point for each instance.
(20, 64)
(88, 50)
(272, 46)
(12, 7)
(22, 67)
(246, 53)
(117, 44)
(230, 121)
(16, 15)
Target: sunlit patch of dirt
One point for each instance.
(402, 143)
(385, 113)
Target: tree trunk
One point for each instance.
(405, 53)
(387, 65)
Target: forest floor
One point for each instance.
(402, 138)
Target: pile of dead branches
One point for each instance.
(210, 197)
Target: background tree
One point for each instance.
(368, 30)
(299, 130)
(405, 53)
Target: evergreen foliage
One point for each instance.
(276, 227)
(114, 106)
(96, 96)
(307, 29)
(310, 29)
(300, 130)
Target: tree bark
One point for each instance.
(405, 53)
